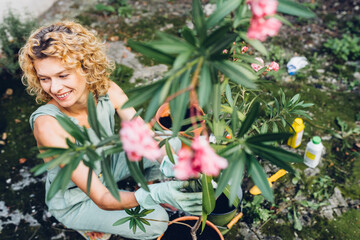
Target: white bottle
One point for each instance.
(313, 152)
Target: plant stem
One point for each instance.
(195, 228)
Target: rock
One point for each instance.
(309, 172)
(337, 200)
(118, 52)
(337, 204)
(246, 232)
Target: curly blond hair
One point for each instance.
(77, 48)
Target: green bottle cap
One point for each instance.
(316, 140)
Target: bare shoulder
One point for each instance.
(116, 95)
(48, 132)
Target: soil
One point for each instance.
(181, 232)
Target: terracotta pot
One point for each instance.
(164, 119)
(194, 219)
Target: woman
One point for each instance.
(62, 64)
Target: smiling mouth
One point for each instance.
(63, 96)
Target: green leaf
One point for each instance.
(92, 115)
(259, 178)
(143, 95)
(188, 35)
(216, 101)
(179, 104)
(121, 221)
(61, 159)
(56, 184)
(182, 59)
(170, 44)
(269, 137)
(114, 149)
(279, 153)
(146, 211)
(203, 222)
(234, 121)
(275, 160)
(208, 198)
(229, 95)
(185, 140)
(295, 9)
(227, 174)
(198, 19)
(240, 15)
(109, 178)
(136, 174)
(70, 127)
(50, 152)
(69, 168)
(236, 73)
(168, 151)
(205, 85)
(264, 128)
(297, 223)
(89, 178)
(151, 52)
(153, 106)
(222, 12)
(227, 193)
(111, 139)
(237, 177)
(144, 221)
(255, 43)
(249, 120)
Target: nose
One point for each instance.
(55, 85)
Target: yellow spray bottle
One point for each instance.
(297, 126)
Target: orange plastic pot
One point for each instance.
(193, 218)
(164, 113)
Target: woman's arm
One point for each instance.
(48, 132)
(118, 98)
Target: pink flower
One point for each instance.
(244, 49)
(225, 51)
(201, 158)
(137, 140)
(262, 8)
(260, 28)
(274, 66)
(257, 67)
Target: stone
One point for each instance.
(118, 52)
(309, 172)
(246, 232)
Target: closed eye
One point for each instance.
(64, 76)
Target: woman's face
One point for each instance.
(66, 86)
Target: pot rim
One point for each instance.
(184, 218)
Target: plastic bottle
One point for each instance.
(313, 152)
(295, 140)
(295, 64)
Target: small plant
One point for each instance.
(347, 48)
(121, 7)
(13, 35)
(256, 211)
(346, 135)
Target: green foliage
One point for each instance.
(256, 210)
(13, 35)
(136, 219)
(347, 48)
(197, 67)
(121, 7)
(322, 188)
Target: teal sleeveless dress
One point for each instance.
(75, 209)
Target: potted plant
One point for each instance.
(210, 69)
